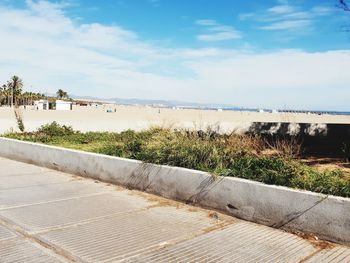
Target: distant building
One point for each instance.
(63, 105)
(41, 105)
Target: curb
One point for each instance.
(328, 217)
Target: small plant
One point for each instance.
(19, 119)
(55, 129)
(285, 147)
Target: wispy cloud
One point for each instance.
(206, 22)
(289, 24)
(281, 9)
(284, 16)
(215, 31)
(50, 50)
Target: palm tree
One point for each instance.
(2, 94)
(16, 85)
(7, 92)
(61, 94)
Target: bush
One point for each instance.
(227, 155)
(55, 129)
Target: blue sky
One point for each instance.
(275, 54)
(307, 24)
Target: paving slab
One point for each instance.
(14, 168)
(6, 234)
(329, 255)
(46, 193)
(34, 218)
(241, 242)
(25, 251)
(127, 235)
(36, 179)
(49, 216)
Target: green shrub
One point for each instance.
(55, 129)
(227, 155)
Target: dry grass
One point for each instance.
(244, 156)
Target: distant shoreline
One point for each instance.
(121, 117)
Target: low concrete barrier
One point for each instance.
(325, 216)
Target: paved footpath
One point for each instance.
(49, 216)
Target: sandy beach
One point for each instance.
(91, 118)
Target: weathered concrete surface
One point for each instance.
(326, 216)
(49, 216)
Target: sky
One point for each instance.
(275, 54)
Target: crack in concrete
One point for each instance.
(140, 177)
(293, 216)
(205, 187)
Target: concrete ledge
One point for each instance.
(326, 216)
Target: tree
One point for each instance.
(61, 94)
(6, 92)
(15, 85)
(2, 93)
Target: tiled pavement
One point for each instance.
(49, 216)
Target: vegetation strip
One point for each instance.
(243, 156)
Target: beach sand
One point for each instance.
(91, 118)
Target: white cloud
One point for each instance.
(292, 78)
(246, 16)
(281, 9)
(206, 22)
(216, 31)
(321, 10)
(55, 51)
(224, 35)
(289, 24)
(286, 17)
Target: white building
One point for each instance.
(41, 105)
(63, 105)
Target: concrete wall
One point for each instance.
(63, 105)
(280, 207)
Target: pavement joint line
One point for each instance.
(22, 234)
(34, 173)
(216, 227)
(313, 254)
(53, 201)
(343, 257)
(86, 221)
(151, 248)
(95, 219)
(27, 186)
